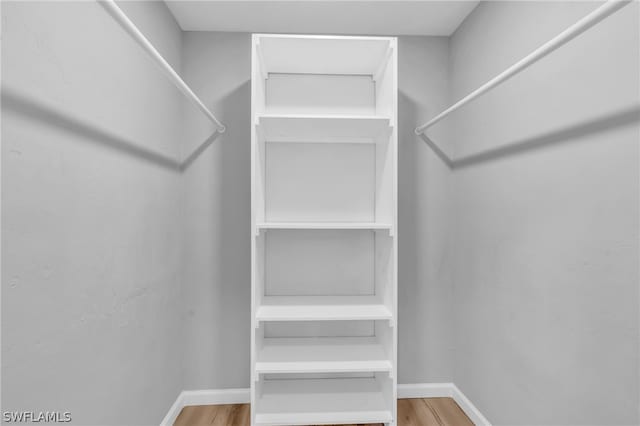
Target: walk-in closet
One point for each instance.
(290, 213)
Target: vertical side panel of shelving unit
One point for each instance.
(386, 209)
(257, 96)
(253, 232)
(394, 137)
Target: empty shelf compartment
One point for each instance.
(322, 355)
(322, 308)
(322, 128)
(321, 402)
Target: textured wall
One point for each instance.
(216, 266)
(91, 217)
(546, 217)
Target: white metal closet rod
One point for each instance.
(567, 35)
(124, 21)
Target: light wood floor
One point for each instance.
(411, 412)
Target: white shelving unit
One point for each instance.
(324, 221)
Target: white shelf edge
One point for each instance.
(324, 225)
(268, 317)
(324, 418)
(323, 116)
(323, 310)
(317, 367)
(347, 140)
(323, 37)
(358, 226)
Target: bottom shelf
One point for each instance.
(321, 402)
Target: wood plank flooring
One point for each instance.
(411, 412)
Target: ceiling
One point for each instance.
(434, 18)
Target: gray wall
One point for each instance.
(546, 215)
(216, 266)
(425, 289)
(217, 205)
(91, 214)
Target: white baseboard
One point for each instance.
(425, 390)
(469, 409)
(216, 396)
(436, 390)
(174, 411)
(243, 396)
(205, 397)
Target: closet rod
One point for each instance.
(112, 8)
(567, 35)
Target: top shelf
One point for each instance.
(287, 54)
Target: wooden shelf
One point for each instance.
(322, 308)
(322, 128)
(322, 355)
(322, 401)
